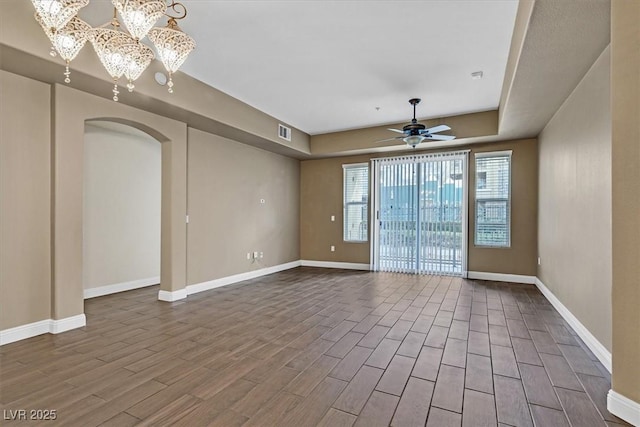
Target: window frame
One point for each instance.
(346, 204)
(483, 155)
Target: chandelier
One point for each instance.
(121, 53)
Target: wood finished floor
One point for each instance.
(311, 347)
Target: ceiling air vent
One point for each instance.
(284, 132)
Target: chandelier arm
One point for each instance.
(176, 6)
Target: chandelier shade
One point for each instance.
(140, 15)
(120, 52)
(67, 41)
(57, 13)
(173, 47)
(137, 58)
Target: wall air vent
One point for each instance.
(284, 132)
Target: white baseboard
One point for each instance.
(171, 296)
(623, 407)
(500, 277)
(120, 287)
(599, 350)
(47, 326)
(68, 323)
(331, 264)
(224, 281)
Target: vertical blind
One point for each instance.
(356, 202)
(420, 212)
(493, 199)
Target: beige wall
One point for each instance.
(521, 257)
(25, 204)
(625, 80)
(321, 197)
(227, 181)
(121, 205)
(575, 202)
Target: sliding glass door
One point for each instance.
(420, 214)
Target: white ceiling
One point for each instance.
(324, 66)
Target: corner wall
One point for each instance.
(25, 201)
(227, 181)
(321, 197)
(574, 225)
(625, 80)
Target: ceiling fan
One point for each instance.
(414, 133)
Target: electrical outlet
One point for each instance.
(261, 255)
(333, 218)
(255, 255)
(539, 262)
(333, 248)
(248, 255)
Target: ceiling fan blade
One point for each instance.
(436, 129)
(440, 137)
(390, 139)
(396, 130)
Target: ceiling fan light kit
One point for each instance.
(414, 133)
(121, 53)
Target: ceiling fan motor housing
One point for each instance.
(413, 128)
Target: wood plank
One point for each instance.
(366, 324)
(560, 372)
(335, 418)
(437, 336)
(383, 354)
(579, 408)
(544, 342)
(345, 345)
(537, 386)
(356, 394)
(511, 403)
(262, 393)
(459, 330)
(349, 366)
(441, 418)
(412, 344)
(374, 336)
(479, 409)
(378, 410)
(399, 330)
(449, 389)
(312, 409)
(579, 361)
(504, 361)
(499, 335)
(455, 353)
(479, 375)
(597, 389)
(525, 351)
(396, 375)
(428, 363)
(478, 343)
(414, 404)
(423, 324)
(517, 328)
(272, 413)
(548, 417)
(339, 331)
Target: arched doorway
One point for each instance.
(72, 109)
(121, 209)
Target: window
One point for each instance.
(493, 199)
(356, 202)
